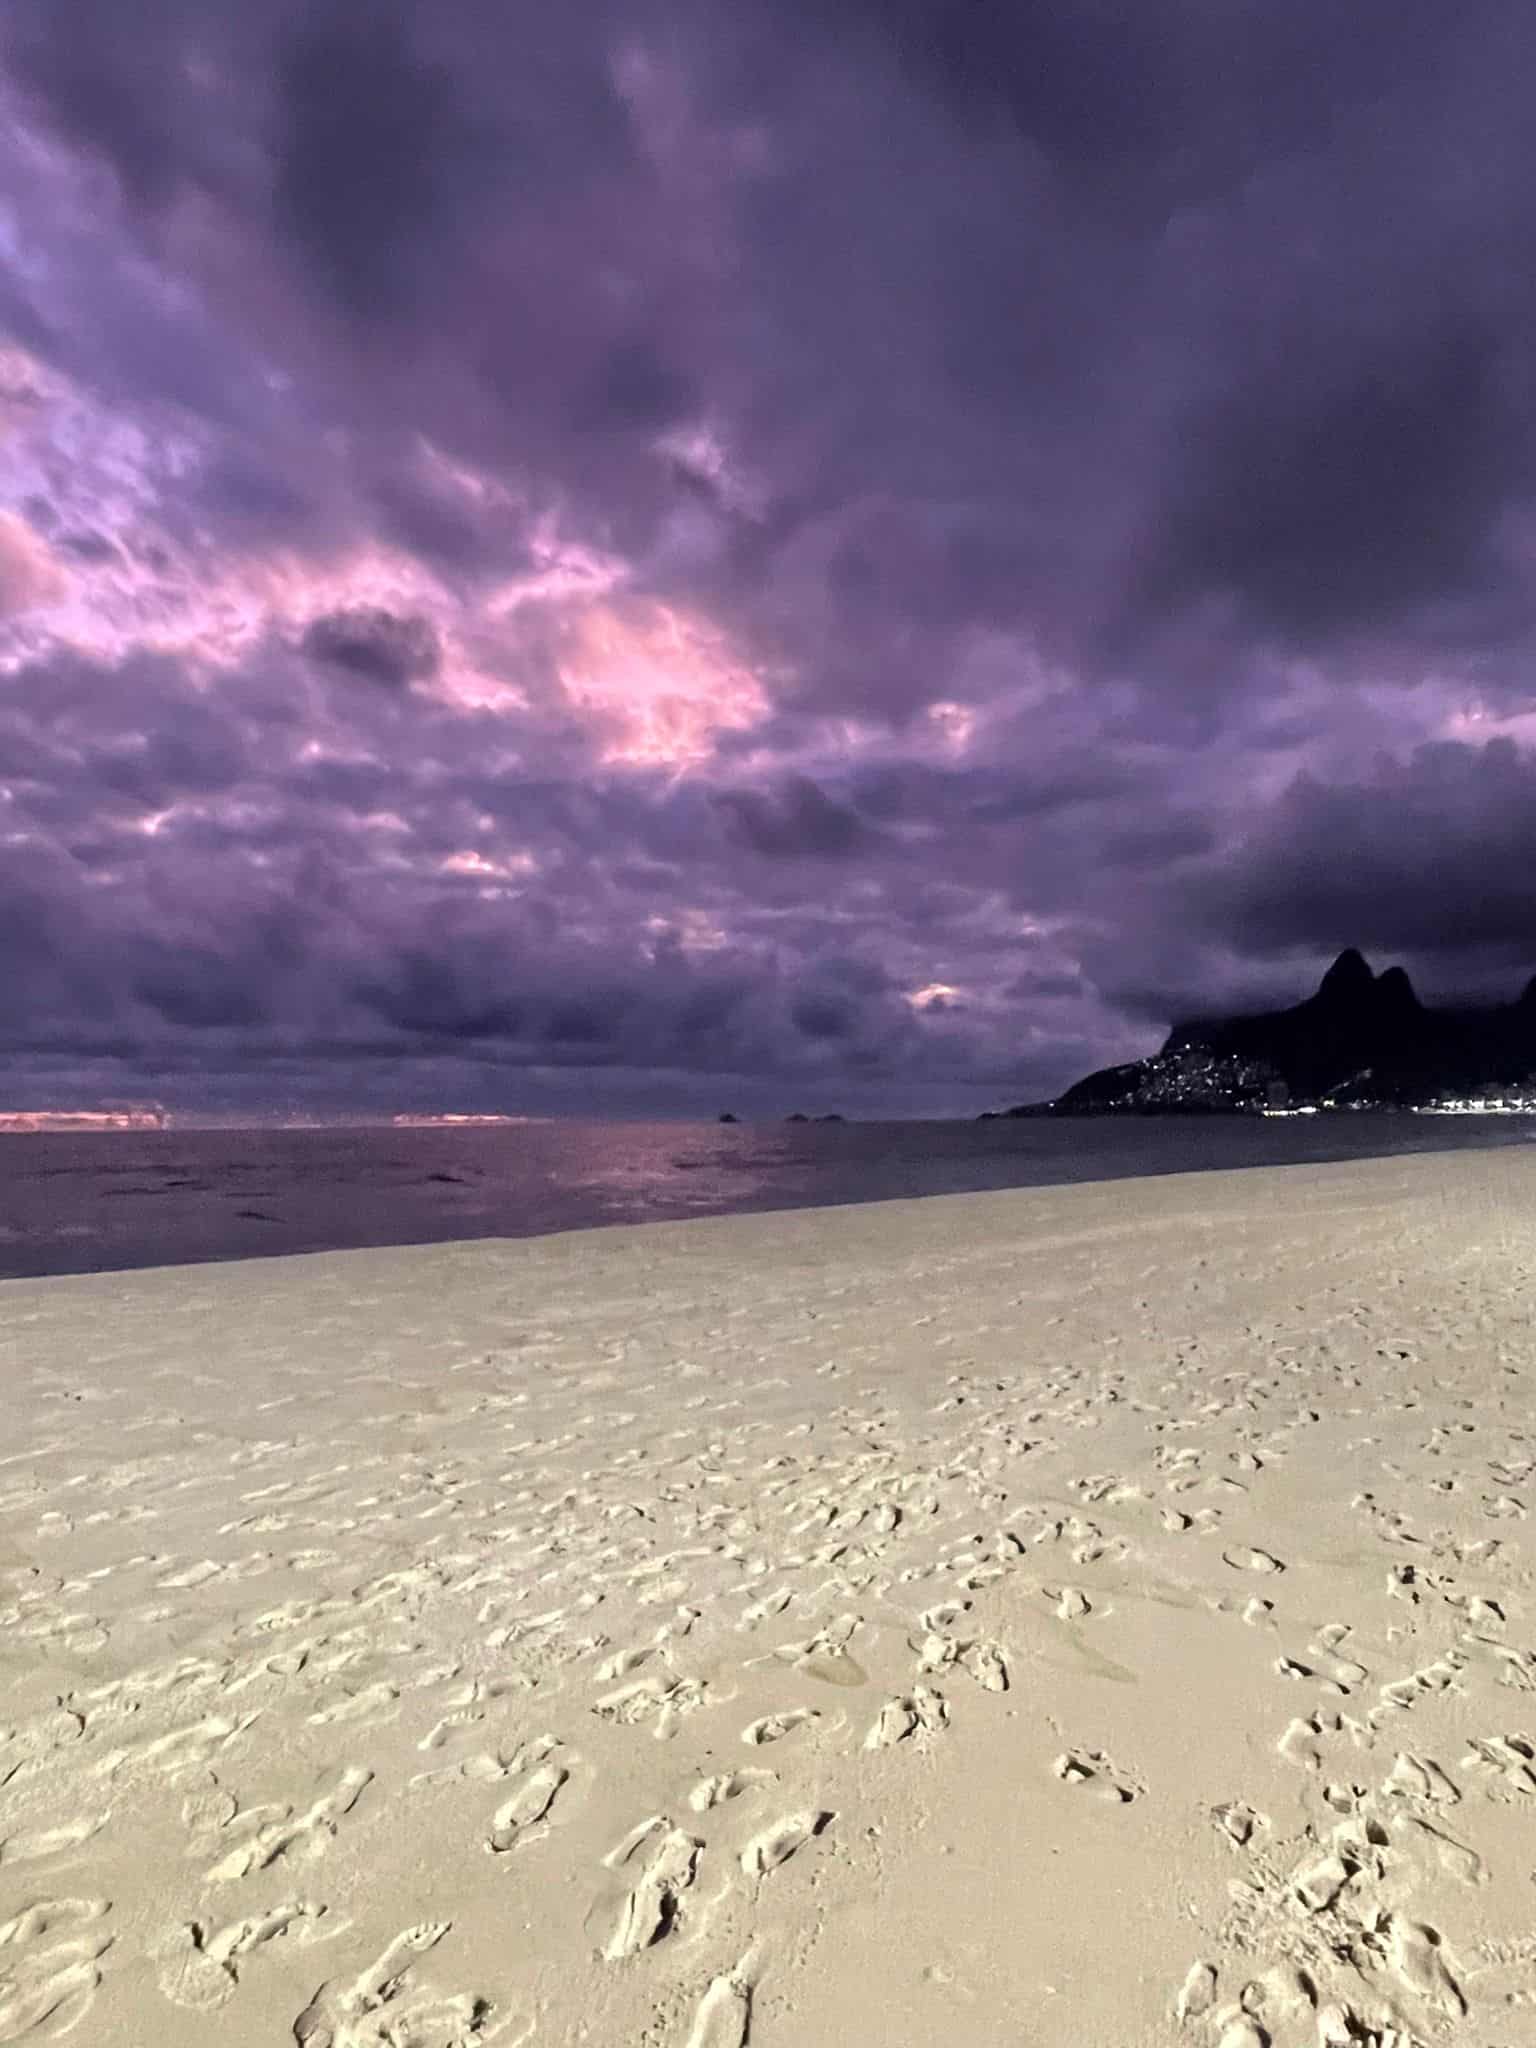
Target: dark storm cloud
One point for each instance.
(89, 546)
(417, 513)
(796, 821)
(257, 503)
(1329, 338)
(1101, 433)
(1342, 506)
(375, 644)
(180, 919)
(195, 987)
(1433, 857)
(820, 1017)
(104, 74)
(1324, 482)
(371, 143)
(635, 387)
(1185, 100)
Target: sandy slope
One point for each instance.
(1096, 1616)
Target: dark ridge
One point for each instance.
(1360, 1040)
(1348, 980)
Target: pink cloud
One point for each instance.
(31, 578)
(658, 683)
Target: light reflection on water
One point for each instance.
(81, 1203)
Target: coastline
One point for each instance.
(135, 1202)
(1037, 1614)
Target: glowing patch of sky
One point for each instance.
(657, 683)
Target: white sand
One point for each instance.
(1091, 1617)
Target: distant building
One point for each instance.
(452, 1119)
(139, 1117)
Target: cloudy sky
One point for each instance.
(822, 553)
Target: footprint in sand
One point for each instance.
(983, 1661)
(200, 1965)
(775, 1845)
(1340, 2026)
(724, 2015)
(765, 1609)
(1238, 1822)
(381, 2007)
(198, 1574)
(1420, 1777)
(1456, 1859)
(774, 1727)
(727, 1785)
(451, 1725)
(832, 1667)
(1415, 1952)
(180, 1749)
(49, 1974)
(1510, 1758)
(1244, 1559)
(1302, 1742)
(306, 1833)
(206, 1810)
(642, 1832)
(622, 1662)
(652, 1699)
(1330, 1640)
(1402, 1693)
(1287, 1993)
(379, 1702)
(490, 1766)
(650, 1909)
(33, 1844)
(1197, 1994)
(1092, 1768)
(1319, 1885)
(1292, 1667)
(50, 1916)
(923, 1711)
(528, 1805)
(1240, 2031)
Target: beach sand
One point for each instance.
(1097, 1616)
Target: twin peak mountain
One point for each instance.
(1362, 1040)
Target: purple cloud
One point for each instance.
(701, 552)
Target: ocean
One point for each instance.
(78, 1203)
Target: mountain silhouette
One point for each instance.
(1361, 1038)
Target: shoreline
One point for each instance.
(594, 1235)
(191, 1206)
(1099, 1611)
